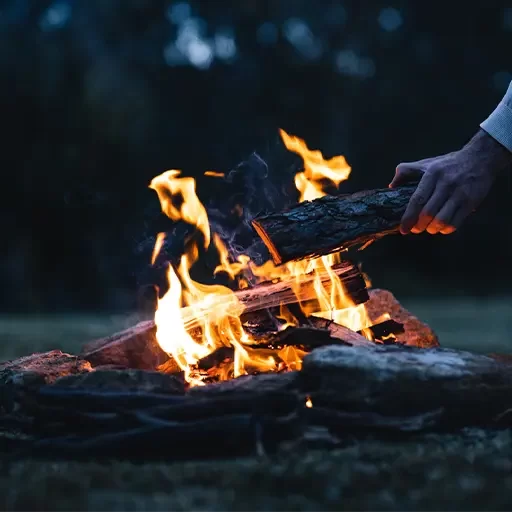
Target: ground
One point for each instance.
(468, 471)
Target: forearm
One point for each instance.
(499, 124)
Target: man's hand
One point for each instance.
(451, 186)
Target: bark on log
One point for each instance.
(395, 381)
(28, 373)
(332, 223)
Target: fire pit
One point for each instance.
(300, 349)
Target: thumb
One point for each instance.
(407, 172)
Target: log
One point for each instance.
(26, 374)
(229, 435)
(332, 223)
(136, 347)
(386, 331)
(268, 294)
(341, 333)
(460, 389)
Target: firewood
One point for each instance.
(398, 381)
(29, 373)
(137, 347)
(386, 331)
(332, 223)
(341, 422)
(214, 436)
(341, 333)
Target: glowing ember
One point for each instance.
(194, 319)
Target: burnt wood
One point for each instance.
(332, 223)
(137, 347)
(386, 331)
(345, 390)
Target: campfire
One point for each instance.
(295, 349)
(200, 325)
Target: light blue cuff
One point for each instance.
(499, 124)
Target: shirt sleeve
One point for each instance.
(499, 124)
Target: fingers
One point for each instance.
(443, 221)
(417, 202)
(407, 172)
(458, 218)
(431, 210)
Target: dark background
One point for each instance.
(99, 96)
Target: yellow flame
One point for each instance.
(179, 201)
(232, 269)
(287, 317)
(333, 301)
(214, 174)
(194, 319)
(317, 170)
(159, 242)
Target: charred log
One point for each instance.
(341, 333)
(386, 331)
(137, 347)
(332, 223)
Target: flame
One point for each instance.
(215, 309)
(179, 201)
(214, 174)
(317, 170)
(159, 242)
(333, 301)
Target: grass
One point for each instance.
(468, 471)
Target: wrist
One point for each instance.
(486, 150)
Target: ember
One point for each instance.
(194, 320)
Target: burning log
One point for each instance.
(386, 331)
(267, 295)
(341, 333)
(319, 333)
(332, 223)
(137, 347)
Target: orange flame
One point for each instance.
(216, 310)
(159, 242)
